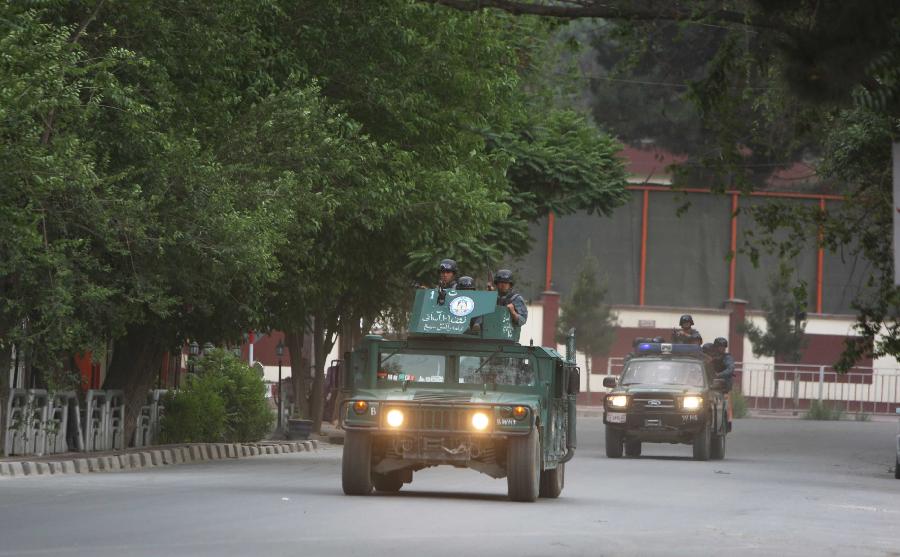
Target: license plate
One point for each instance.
(616, 417)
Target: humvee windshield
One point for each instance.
(399, 367)
(425, 368)
(663, 372)
(502, 370)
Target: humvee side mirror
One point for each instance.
(609, 382)
(574, 381)
(719, 385)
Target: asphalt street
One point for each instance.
(787, 487)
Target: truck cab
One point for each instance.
(451, 394)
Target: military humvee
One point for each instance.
(460, 396)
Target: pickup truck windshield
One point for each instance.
(663, 372)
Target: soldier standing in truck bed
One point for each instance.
(686, 334)
(510, 298)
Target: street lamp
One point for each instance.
(194, 351)
(279, 351)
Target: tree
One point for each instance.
(585, 310)
(814, 70)
(783, 337)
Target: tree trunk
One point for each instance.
(299, 374)
(5, 361)
(323, 342)
(135, 362)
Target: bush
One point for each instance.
(862, 417)
(223, 401)
(820, 411)
(738, 404)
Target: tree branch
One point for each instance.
(570, 9)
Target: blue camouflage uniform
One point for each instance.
(518, 302)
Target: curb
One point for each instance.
(147, 457)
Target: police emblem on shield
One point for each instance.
(462, 306)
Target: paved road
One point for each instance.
(786, 488)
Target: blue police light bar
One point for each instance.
(667, 348)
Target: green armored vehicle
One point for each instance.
(461, 396)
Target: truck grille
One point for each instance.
(438, 419)
(442, 397)
(651, 403)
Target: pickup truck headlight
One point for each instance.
(617, 401)
(692, 402)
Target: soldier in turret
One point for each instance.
(465, 283)
(510, 298)
(447, 273)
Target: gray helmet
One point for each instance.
(504, 275)
(686, 319)
(447, 265)
(465, 283)
(721, 341)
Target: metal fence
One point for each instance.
(796, 386)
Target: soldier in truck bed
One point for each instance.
(686, 334)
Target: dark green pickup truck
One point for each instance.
(667, 393)
(449, 394)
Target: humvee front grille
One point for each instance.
(438, 419)
(442, 397)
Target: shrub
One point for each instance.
(820, 411)
(223, 401)
(738, 404)
(862, 417)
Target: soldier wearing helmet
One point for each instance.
(447, 272)
(686, 334)
(465, 283)
(510, 298)
(722, 361)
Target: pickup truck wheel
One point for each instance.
(356, 463)
(702, 443)
(523, 467)
(388, 483)
(553, 481)
(613, 443)
(632, 448)
(717, 450)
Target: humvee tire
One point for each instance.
(702, 443)
(553, 481)
(523, 467)
(632, 448)
(388, 483)
(356, 464)
(613, 443)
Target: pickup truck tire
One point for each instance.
(553, 481)
(388, 483)
(523, 467)
(717, 449)
(613, 443)
(356, 463)
(703, 442)
(633, 448)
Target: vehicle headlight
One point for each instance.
(618, 401)
(519, 412)
(360, 406)
(480, 421)
(692, 402)
(395, 418)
